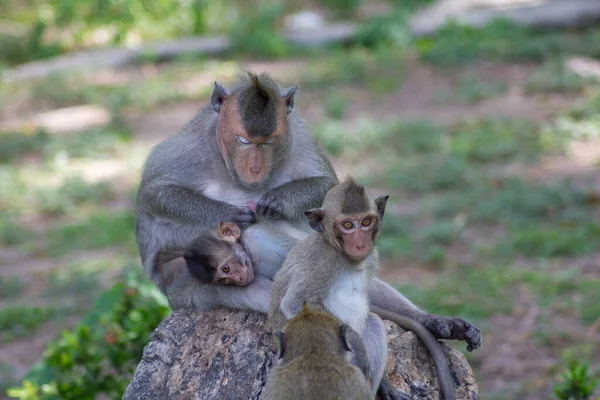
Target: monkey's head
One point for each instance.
(349, 219)
(221, 260)
(252, 128)
(312, 331)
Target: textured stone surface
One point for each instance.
(226, 354)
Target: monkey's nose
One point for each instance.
(255, 170)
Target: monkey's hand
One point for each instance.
(453, 328)
(270, 206)
(244, 217)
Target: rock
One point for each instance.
(226, 354)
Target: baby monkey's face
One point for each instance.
(236, 266)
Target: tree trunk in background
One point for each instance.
(227, 354)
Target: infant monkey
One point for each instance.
(313, 361)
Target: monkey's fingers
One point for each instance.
(270, 206)
(463, 330)
(474, 338)
(439, 326)
(244, 217)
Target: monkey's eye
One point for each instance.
(347, 225)
(269, 141)
(226, 269)
(243, 140)
(366, 222)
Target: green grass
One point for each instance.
(92, 143)
(76, 283)
(71, 196)
(14, 145)
(435, 172)
(471, 89)
(504, 41)
(551, 241)
(498, 139)
(97, 231)
(12, 232)
(553, 77)
(335, 106)
(10, 287)
(18, 322)
(380, 70)
(473, 292)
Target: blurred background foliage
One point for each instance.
(487, 142)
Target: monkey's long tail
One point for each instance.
(432, 345)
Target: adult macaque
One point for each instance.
(334, 268)
(313, 361)
(246, 147)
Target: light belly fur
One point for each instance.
(347, 300)
(229, 194)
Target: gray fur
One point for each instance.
(186, 187)
(304, 280)
(375, 339)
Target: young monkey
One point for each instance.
(313, 361)
(334, 269)
(331, 270)
(221, 260)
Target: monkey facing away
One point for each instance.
(334, 268)
(313, 361)
(246, 146)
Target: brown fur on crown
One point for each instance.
(259, 103)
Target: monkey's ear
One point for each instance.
(218, 96)
(280, 344)
(381, 202)
(228, 231)
(344, 336)
(289, 98)
(315, 218)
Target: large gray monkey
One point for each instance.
(246, 147)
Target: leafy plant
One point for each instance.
(578, 383)
(101, 353)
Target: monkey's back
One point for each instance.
(301, 269)
(330, 379)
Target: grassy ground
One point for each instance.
(491, 162)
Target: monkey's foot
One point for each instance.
(387, 392)
(453, 328)
(269, 206)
